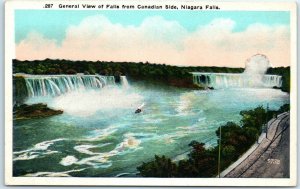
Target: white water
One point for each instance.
(255, 69)
(69, 160)
(86, 103)
(55, 85)
(72, 94)
(124, 82)
(253, 76)
(226, 80)
(39, 150)
(100, 133)
(53, 174)
(114, 141)
(101, 159)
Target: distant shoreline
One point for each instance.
(166, 74)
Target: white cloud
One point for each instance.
(162, 41)
(36, 46)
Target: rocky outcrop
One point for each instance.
(34, 111)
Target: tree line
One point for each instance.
(172, 75)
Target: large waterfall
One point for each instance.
(230, 80)
(253, 77)
(54, 85)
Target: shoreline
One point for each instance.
(256, 150)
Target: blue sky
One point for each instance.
(54, 23)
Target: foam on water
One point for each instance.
(99, 134)
(39, 150)
(44, 145)
(130, 142)
(125, 174)
(96, 161)
(53, 174)
(101, 159)
(84, 149)
(26, 156)
(87, 103)
(69, 160)
(201, 119)
(112, 146)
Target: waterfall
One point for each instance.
(231, 80)
(54, 85)
(253, 77)
(124, 82)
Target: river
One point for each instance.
(99, 135)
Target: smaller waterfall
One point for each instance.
(54, 85)
(124, 82)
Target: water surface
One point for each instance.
(99, 135)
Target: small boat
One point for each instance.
(139, 109)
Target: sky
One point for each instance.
(186, 38)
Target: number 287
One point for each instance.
(48, 6)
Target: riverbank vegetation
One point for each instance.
(202, 162)
(171, 75)
(178, 76)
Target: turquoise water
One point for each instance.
(99, 135)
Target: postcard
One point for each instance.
(150, 93)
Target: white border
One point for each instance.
(10, 6)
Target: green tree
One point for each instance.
(159, 167)
(254, 118)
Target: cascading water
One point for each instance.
(124, 82)
(225, 80)
(253, 76)
(54, 85)
(99, 133)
